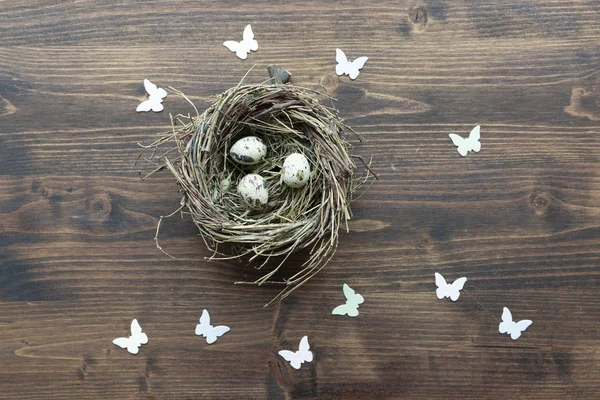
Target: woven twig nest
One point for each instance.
(288, 119)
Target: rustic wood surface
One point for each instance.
(521, 219)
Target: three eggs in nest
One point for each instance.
(253, 188)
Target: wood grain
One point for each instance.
(521, 218)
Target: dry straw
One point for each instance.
(288, 119)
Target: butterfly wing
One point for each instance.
(520, 327)
(355, 67)
(154, 90)
(475, 133)
(216, 332)
(122, 342)
(440, 281)
(290, 356)
(304, 346)
(221, 330)
(248, 34)
(137, 336)
(136, 329)
(506, 315)
(474, 142)
(440, 293)
(143, 338)
(248, 39)
(232, 45)
(340, 310)
(210, 337)
(157, 106)
(205, 318)
(459, 283)
(296, 363)
(358, 299)
(127, 343)
(145, 106)
(159, 94)
(442, 285)
(456, 287)
(304, 350)
(360, 62)
(242, 53)
(454, 293)
(352, 310)
(150, 87)
(505, 325)
(287, 355)
(133, 348)
(524, 324)
(342, 62)
(457, 140)
(204, 327)
(306, 356)
(351, 296)
(460, 143)
(340, 57)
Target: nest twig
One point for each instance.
(288, 119)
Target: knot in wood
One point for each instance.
(98, 206)
(539, 203)
(418, 16)
(330, 82)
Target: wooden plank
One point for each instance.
(157, 22)
(354, 357)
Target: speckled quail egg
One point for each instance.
(296, 170)
(254, 189)
(249, 150)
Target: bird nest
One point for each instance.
(289, 119)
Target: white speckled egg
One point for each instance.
(296, 170)
(254, 190)
(248, 151)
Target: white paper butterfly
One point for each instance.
(512, 328)
(345, 67)
(241, 49)
(299, 357)
(154, 102)
(133, 342)
(472, 143)
(211, 333)
(353, 299)
(445, 290)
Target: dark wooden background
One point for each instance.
(521, 219)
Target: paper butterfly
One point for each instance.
(353, 299)
(466, 145)
(299, 357)
(154, 102)
(345, 67)
(512, 328)
(445, 290)
(241, 49)
(133, 342)
(211, 333)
